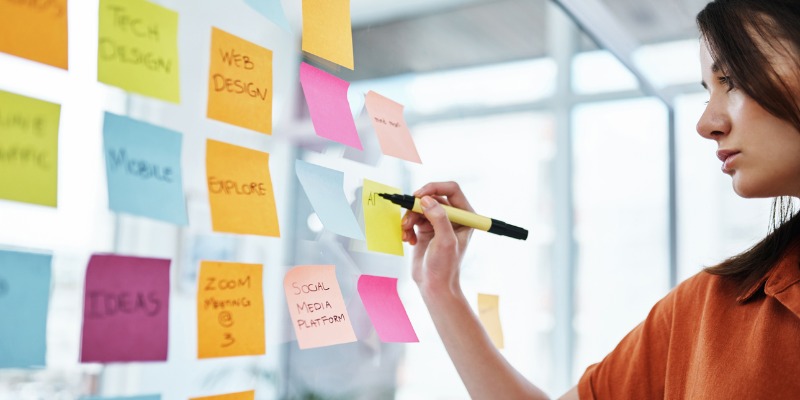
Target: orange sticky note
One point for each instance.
(390, 126)
(230, 310)
(489, 313)
(317, 308)
(36, 30)
(381, 219)
(327, 30)
(240, 190)
(240, 82)
(248, 395)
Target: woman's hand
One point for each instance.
(439, 245)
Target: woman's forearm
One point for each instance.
(484, 371)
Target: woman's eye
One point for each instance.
(727, 81)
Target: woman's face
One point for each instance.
(758, 150)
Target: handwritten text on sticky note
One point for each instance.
(240, 190)
(385, 310)
(28, 149)
(143, 168)
(240, 82)
(390, 126)
(326, 96)
(36, 30)
(489, 313)
(381, 219)
(316, 306)
(327, 30)
(230, 310)
(138, 48)
(323, 186)
(24, 299)
(125, 309)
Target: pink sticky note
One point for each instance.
(326, 96)
(317, 308)
(125, 309)
(390, 126)
(385, 310)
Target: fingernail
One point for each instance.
(404, 221)
(405, 236)
(427, 202)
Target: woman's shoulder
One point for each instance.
(704, 287)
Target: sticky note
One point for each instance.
(390, 126)
(138, 48)
(36, 30)
(324, 189)
(24, 298)
(125, 309)
(240, 82)
(145, 397)
(381, 219)
(240, 190)
(326, 96)
(28, 149)
(489, 313)
(316, 306)
(327, 31)
(385, 310)
(230, 310)
(249, 395)
(143, 169)
(271, 9)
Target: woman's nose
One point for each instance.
(714, 122)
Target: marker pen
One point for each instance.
(461, 217)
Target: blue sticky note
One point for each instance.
(323, 187)
(143, 167)
(271, 9)
(145, 397)
(24, 297)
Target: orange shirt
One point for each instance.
(703, 341)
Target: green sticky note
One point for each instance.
(138, 48)
(28, 149)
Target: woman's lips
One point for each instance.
(727, 157)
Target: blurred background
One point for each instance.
(572, 118)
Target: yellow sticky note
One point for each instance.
(318, 311)
(230, 310)
(327, 31)
(138, 48)
(28, 149)
(381, 219)
(240, 190)
(489, 313)
(36, 30)
(248, 395)
(240, 82)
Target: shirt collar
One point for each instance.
(781, 282)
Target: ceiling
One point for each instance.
(417, 36)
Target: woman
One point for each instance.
(731, 331)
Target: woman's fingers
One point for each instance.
(450, 190)
(434, 212)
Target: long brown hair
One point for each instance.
(741, 36)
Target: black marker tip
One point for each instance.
(384, 195)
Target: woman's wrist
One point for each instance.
(443, 294)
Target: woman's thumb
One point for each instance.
(436, 214)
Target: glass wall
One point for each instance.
(494, 129)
